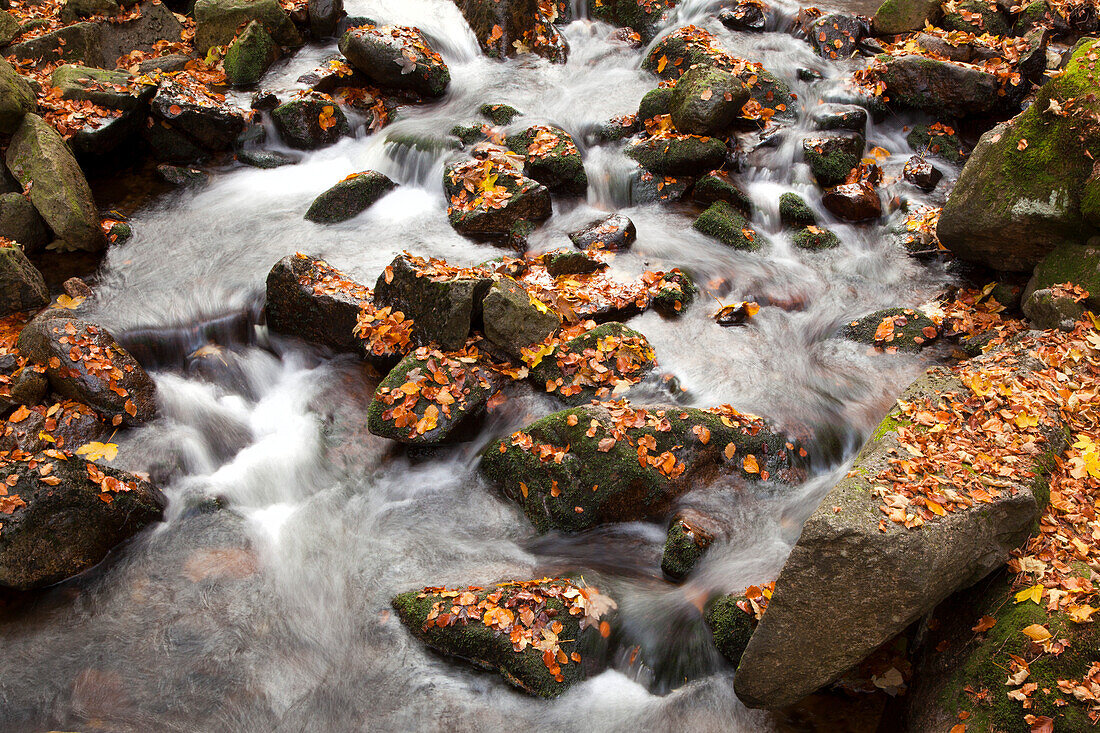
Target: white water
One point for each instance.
(272, 614)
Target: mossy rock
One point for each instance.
(514, 319)
(591, 486)
(559, 366)
(21, 284)
(1070, 263)
(349, 197)
(921, 138)
(558, 165)
(685, 544)
(678, 290)
(642, 15)
(908, 334)
(794, 212)
(901, 16)
(384, 58)
(101, 87)
(945, 88)
(720, 186)
(570, 262)
(468, 134)
(989, 20)
(655, 103)
(694, 46)
(9, 28)
(299, 122)
(217, 21)
(832, 157)
(499, 114)
(678, 156)
(730, 627)
(249, 55)
(727, 225)
(771, 92)
(815, 238)
(529, 202)
(707, 101)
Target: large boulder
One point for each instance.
(16, 98)
(430, 396)
(396, 56)
(249, 55)
(217, 21)
(61, 517)
(977, 17)
(643, 16)
(84, 363)
(610, 462)
(349, 197)
(679, 155)
(543, 636)
(20, 222)
(1024, 190)
(706, 101)
(443, 308)
(601, 363)
(879, 553)
(110, 89)
(198, 122)
(9, 28)
(324, 17)
(1070, 263)
(945, 88)
(492, 198)
(507, 27)
(21, 284)
(38, 154)
(515, 320)
(901, 16)
(551, 158)
(312, 300)
(615, 233)
(310, 122)
(74, 10)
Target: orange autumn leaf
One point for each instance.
(985, 623)
(749, 464)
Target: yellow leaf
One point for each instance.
(94, 451)
(1081, 614)
(1036, 632)
(64, 301)
(749, 464)
(1034, 594)
(523, 489)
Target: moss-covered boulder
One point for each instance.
(598, 364)
(20, 222)
(678, 155)
(832, 157)
(16, 98)
(707, 101)
(904, 329)
(611, 462)
(310, 299)
(839, 117)
(614, 233)
(505, 28)
(542, 636)
(491, 198)
(551, 158)
(514, 319)
(937, 140)
(901, 16)
(1020, 194)
(350, 197)
(21, 284)
(310, 122)
(1070, 263)
(217, 21)
(977, 17)
(249, 55)
(561, 263)
(61, 517)
(727, 225)
(9, 28)
(689, 536)
(731, 625)
(642, 15)
(718, 185)
(946, 88)
(815, 238)
(794, 212)
(499, 114)
(684, 48)
(110, 89)
(396, 56)
(38, 155)
(443, 308)
(430, 396)
(655, 103)
(879, 558)
(677, 291)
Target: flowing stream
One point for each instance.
(272, 614)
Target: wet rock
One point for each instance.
(299, 122)
(249, 55)
(902, 328)
(642, 15)
(600, 445)
(450, 395)
(21, 284)
(24, 435)
(843, 552)
(528, 201)
(689, 536)
(1069, 263)
(745, 16)
(443, 311)
(599, 364)
(655, 103)
(977, 17)
(60, 528)
(853, 202)
(677, 292)
(551, 158)
(21, 222)
(730, 625)
(521, 21)
(349, 197)
(60, 192)
(1050, 308)
(181, 176)
(901, 16)
(794, 212)
(832, 157)
(217, 21)
(1033, 59)
(647, 188)
(85, 363)
(727, 225)
(938, 140)
(396, 56)
(514, 319)
(945, 88)
(707, 101)
(29, 386)
(839, 117)
(921, 173)
(1025, 189)
(311, 300)
(265, 158)
(74, 10)
(554, 604)
(569, 262)
(198, 122)
(815, 238)
(499, 114)
(96, 144)
(678, 155)
(324, 17)
(167, 64)
(110, 89)
(719, 185)
(74, 287)
(834, 35)
(614, 233)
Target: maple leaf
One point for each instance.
(95, 450)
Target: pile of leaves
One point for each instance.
(487, 183)
(547, 142)
(610, 366)
(519, 611)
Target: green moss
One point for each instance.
(468, 134)
(678, 292)
(655, 103)
(794, 212)
(900, 16)
(948, 147)
(819, 240)
(730, 626)
(908, 337)
(499, 114)
(682, 552)
(560, 169)
(249, 55)
(1070, 263)
(727, 225)
(991, 21)
(678, 156)
(831, 159)
(719, 186)
(890, 424)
